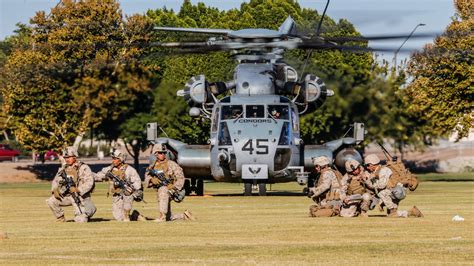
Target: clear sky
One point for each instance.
(371, 17)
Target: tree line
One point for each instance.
(85, 67)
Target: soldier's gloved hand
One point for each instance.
(310, 193)
(73, 189)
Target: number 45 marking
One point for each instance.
(260, 146)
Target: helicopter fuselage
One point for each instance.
(254, 137)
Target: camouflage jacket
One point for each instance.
(327, 183)
(378, 179)
(173, 171)
(85, 178)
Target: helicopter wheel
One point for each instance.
(262, 189)
(200, 187)
(247, 188)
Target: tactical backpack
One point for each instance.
(400, 174)
(317, 211)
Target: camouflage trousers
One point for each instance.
(120, 205)
(386, 197)
(164, 205)
(87, 208)
(353, 210)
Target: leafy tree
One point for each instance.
(133, 133)
(441, 95)
(79, 69)
(19, 39)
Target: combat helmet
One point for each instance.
(351, 165)
(321, 161)
(372, 159)
(159, 148)
(70, 152)
(119, 155)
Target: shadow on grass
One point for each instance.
(269, 194)
(98, 220)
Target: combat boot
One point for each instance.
(188, 216)
(61, 219)
(393, 213)
(415, 212)
(160, 219)
(141, 218)
(126, 216)
(136, 216)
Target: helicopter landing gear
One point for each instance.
(248, 188)
(262, 189)
(200, 187)
(251, 184)
(194, 185)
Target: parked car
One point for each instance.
(7, 153)
(51, 155)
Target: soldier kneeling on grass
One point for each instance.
(167, 178)
(377, 179)
(326, 193)
(125, 187)
(72, 185)
(354, 195)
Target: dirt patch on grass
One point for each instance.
(17, 173)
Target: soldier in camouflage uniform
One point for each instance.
(326, 193)
(122, 197)
(355, 197)
(377, 179)
(173, 173)
(72, 185)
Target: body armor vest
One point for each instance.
(355, 187)
(73, 171)
(332, 193)
(120, 173)
(164, 167)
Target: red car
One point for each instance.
(7, 153)
(51, 155)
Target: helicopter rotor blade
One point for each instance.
(379, 37)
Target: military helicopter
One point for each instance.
(255, 130)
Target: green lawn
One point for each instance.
(232, 229)
(454, 177)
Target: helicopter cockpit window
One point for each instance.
(224, 136)
(278, 112)
(255, 111)
(231, 111)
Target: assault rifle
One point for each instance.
(175, 194)
(124, 185)
(68, 183)
(163, 181)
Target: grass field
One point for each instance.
(231, 229)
